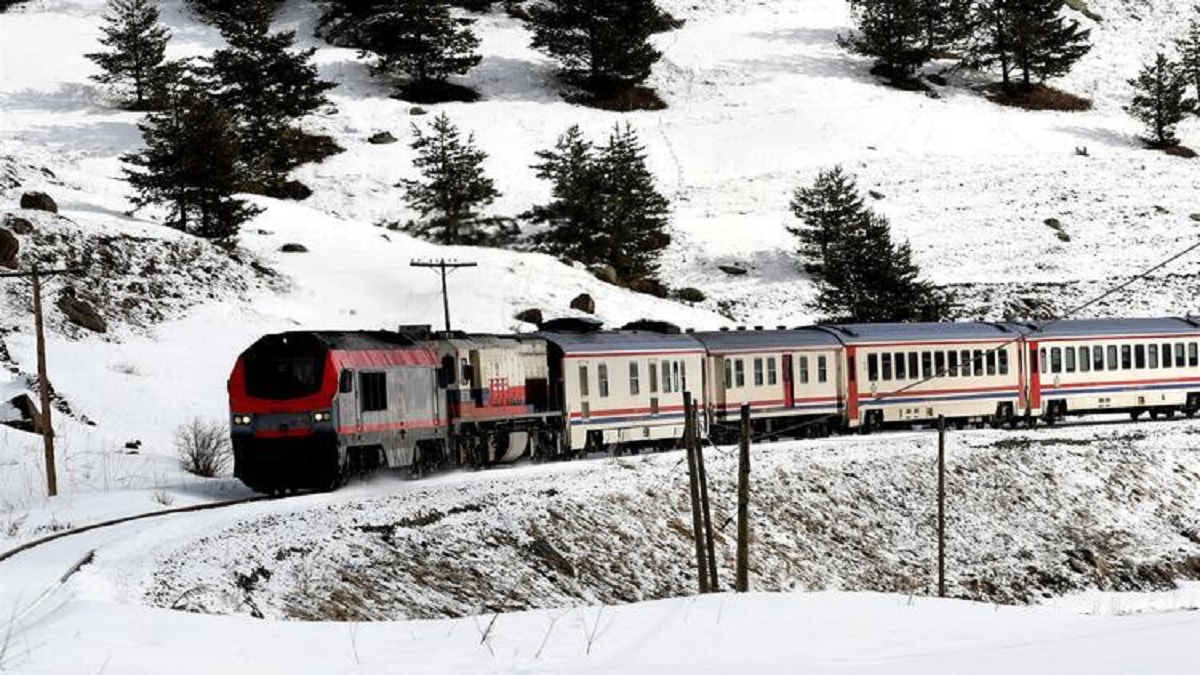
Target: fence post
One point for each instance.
(941, 506)
(743, 505)
(689, 432)
(706, 512)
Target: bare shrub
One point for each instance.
(203, 447)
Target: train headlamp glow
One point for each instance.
(242, 420)
(321, 416)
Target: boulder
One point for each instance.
(80, 312)
(38, 201)
(1195, 217)
(18, 225)
(27, 417)
(381, 138)
(605, 273)
(732, 270)
(293, 248)
(417, 110)
(9, 247)
(584, 303)
(532, 315)
(875, 194)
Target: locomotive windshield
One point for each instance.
(285, 366)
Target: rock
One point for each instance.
(38, 201)
(29, 418)
(18, 225)
(605, 273)
(937, 79)
(532, 315)
(875, 194)
(1161, 209)
(80, 313)
(690, 295)
(133, 445)
(417, 110)
(381, 138)
(9, 247)
(732, 270)
(293, 248)
(584, 303)
(1195, 217)
(1053, 222)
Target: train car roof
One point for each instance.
(859, 333)
(743, 340)
(350, 341)
(1100, 327)
(604, 342)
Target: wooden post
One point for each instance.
(694, 490)
(743, 505)
(941, 506)
(706, 512)
(44, 387)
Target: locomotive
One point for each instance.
(309, 408)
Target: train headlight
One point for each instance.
(242, 420)
(323, 416)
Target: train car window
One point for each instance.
(372, 391)
(602, 380)
(666, 377)
(635, 385)
(1055, 360)
(926, 364)
(1152, 356)
(939, 363)
(583, 380)
(346, 383)
(803, 370)
(739, 372)
(822, 369)
(683, 374)
(1003, 361)
(1126, 357)
(759, 373)
(1070, 354)
(990, 358)
(1085, 359)
(914, 365)
(1112, 358)
(1139, 356)
(675, 375)
(1179, 360)
(952, 363)
(886, 360)
(1097, 358)
(1193, 355)
(901, 367)
(729, 373)
(977, 359)
(772, 373)
(872, 367)
(1166, 355)
(964, 363)
(654, 376)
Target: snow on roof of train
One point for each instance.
(622, 341)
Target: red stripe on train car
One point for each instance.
(628, 411)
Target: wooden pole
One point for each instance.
(706, 512)
(941, 506)
(694, 491)
(743, 505)
(44, 387)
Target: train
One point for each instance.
(310, 408)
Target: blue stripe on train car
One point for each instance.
(627, 418)
(892, 400)
(1077, 391)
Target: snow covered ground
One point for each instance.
(760, 99)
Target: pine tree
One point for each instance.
(864, 275)
(266, 86)
(1189, 52)
(190, 164)
(137, 45)
(1160, 100)
(892, 31)
(605, 208)
(945, 24)
(1029, 37)
(421, 40)
(601, 45)
(452, 188)
(225, 14)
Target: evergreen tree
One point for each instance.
(227, 13)
(1160, 100)
(452, 188)
(266, 86)
(944, 24)
(992, 44)
(137, 45)
(864, 275)
(1029, 37)
(605, 208)
(190, 164)
(1189, 51)
(601, 45)
(421, 40)
(892, 31)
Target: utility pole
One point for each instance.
(941, 506)
(445, 267)
(743, 506)
(706, 512)
(689, 434)
(47, 426)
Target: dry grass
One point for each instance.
(1037, 97)
(203, 448)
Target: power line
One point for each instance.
(445, 267)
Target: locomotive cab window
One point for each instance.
(372, 392)
(346, 383)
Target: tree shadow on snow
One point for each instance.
(499, 78)
(1106, 137)
(822, 58)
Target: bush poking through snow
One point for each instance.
(203, 448)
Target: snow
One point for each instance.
(760, 99)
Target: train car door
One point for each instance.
(789, 382)
(1035, 379)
